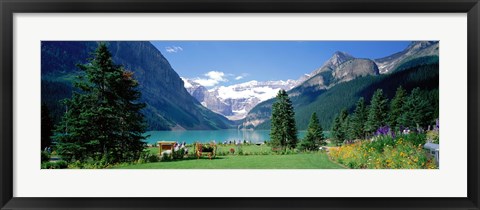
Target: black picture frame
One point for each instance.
(10, 7)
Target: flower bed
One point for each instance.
(385, 152)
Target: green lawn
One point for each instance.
(225, 149)
(293, 161)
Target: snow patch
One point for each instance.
(186, 83)
(242, 97)
(253, 89)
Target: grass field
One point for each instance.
(244, 157)
(293, 161)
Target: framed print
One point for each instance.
(239, 105)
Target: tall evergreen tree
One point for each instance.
(283, 130)
(336, 129)
(397, 107)
(103, 119)
(359, 118)
(377, 112)
(347, 128)
(435, 104)
(314, 137)
(47, 127)
(418, 110)
(339, 132)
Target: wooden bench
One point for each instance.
(199, 150)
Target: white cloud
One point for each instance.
(242, 76)
(217, 75)
(206, 82)
(212, 78)
(173, 49)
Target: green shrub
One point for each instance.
(166, 157)
(62, 164)
(76, 164)
(47, 165)
(55, 165)
(415, 138)
(45, 156)
(103, 162)
(148, 157)
(380, 142)
(179, 154)
(152, 158)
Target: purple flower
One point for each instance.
(382, 131)
(392, 133)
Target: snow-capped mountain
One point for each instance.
(207, 98)
(235, 101)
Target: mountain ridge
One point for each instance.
(414, 50)
(235, 101)
(341, 69)
(169, 105)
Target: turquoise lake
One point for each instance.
(219, 136)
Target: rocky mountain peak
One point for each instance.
(338, 58)
(419, 45)
(354, 68)
(415, 49)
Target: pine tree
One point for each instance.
(377, 112)
(418, 110)
(314, 137)
(347, 128)
(47, 127)
(283, 130)
(336, 130)
(359, 118)
(397, 107)
(434, 103)
(339, 132)
(103, 120)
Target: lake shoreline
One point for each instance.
(219, 136)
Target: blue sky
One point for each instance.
(216, 63)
